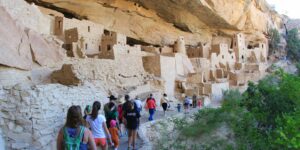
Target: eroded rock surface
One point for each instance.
(21, 47)
(160, 22)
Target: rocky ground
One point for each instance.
(159, 115)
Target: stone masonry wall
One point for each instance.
(31, 116)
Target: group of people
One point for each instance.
(191, 103)
(96, 130)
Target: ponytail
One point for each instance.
(95, 110)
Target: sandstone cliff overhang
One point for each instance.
(161, 22)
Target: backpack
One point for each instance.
(71, 143)
(120, 111)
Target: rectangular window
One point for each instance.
(86, 46)
(89, 29)
(108, 47)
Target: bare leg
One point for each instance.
(104, 147)
(130, 136)
(133, 138)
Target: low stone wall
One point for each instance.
(31, 116)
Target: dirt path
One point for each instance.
(158, 115)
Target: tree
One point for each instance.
(293, 44)
(274, 39)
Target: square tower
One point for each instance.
(239, 47)
(109, 39)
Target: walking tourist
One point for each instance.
(74, 136)
(138, 104)
(186, 104)
(87, 111)
(131, 116)
(164, 102)
(110, 110)
(151, 105)
(98, 126)
(200, 103)
(120, 118)
(113, 130)
(178, 107)
(194, 101)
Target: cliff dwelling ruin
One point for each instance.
(50, 61)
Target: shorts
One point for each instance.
(100, 141)
(164, 105)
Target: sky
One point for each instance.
(290, 8)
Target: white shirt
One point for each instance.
(138, 103)
(190, 101)
(97, 126)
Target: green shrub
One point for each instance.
(293, 44)
(274, 39)
(266, 116)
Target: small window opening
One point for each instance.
(108, 47)
(59, 24)
(89, 29)
(86, 46)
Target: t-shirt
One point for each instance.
(125, 106)
(114, 133)
(190, 101)
(186, 101)
(97, 126)
(151, 104)
(138, 103)
(132, 118)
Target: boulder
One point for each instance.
(14, 44)
(21, 47)
(44, 52)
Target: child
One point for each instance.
(178, 107)
(200, 103)
(113, 130)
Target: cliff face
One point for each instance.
(161, 22)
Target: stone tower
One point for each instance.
(239, 47)
(179, 45)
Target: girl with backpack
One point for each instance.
(97, 123)
(74, 136)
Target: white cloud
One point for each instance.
(288, 7)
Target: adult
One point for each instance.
(74, 135)
(127, 102)
(150, 98)
(87, 111)
(186, 104)
(194, 101)
(110, 110)
(120, 118)
(131, 116)
(190, 103)
(151, 105)
(98, 126)
(164, 102)
(138, 103)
